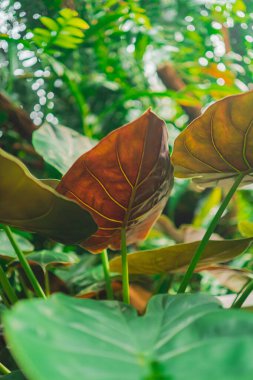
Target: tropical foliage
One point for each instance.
(126, 189)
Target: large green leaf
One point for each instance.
(60, 146)
(179, 337)
(6, 248)
(28, 204)
(176, 258)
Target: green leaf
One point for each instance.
(67, 38)
(206, 210)
(68, 13)
(69, 30)
(60, 146)
(49, 23)
(83, 274)
(51, 258)
(65, 44)
(180, 337)
(28, 204)
(78, 23)
(6, 248)
(246, 228)
(176, 258)
(42, 32)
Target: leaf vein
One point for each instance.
(103, 187)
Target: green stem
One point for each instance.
(209, 231)
(47, 282)
(125, 276)
(244, 296)
(240, 292)
(24, 263)
(23, 285)
(4, 299)
(7, 288)
(106, 268)
(4, 370)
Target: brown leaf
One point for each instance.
(191, 233)
(139, 298)
(219, 144)
(124, 181)
(231, 278)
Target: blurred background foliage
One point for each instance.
(93, 65)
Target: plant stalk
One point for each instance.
(47, 283)
(125, 275)
(7, 288)
(209, 231)
(240, 301)
(4, 370)
(24, 263)
(106, 268)
(4, 299)
(240, 292)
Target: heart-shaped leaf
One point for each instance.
(124, 181)
(60, 146)
(219, 144)
(176, 258)
(51, 258)
(180, 337)
(28, 204)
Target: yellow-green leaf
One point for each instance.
(78, 23)
(68, 38)
(42, 32)
(72, 31)
(65, 44)
(176, 258)
(49, 23)
(246, 228)
(68, 13)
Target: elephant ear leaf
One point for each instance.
(28, 204)
(218, 145)
(176, 258)
(124, 181)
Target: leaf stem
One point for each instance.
(240, 292)
(4, 299)
(24, 263)
(4, 370)
(244, 296)
(125, 275)
(7, 288)
(106, 268)
(47, 282)
(24, 287)
(209, 231)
